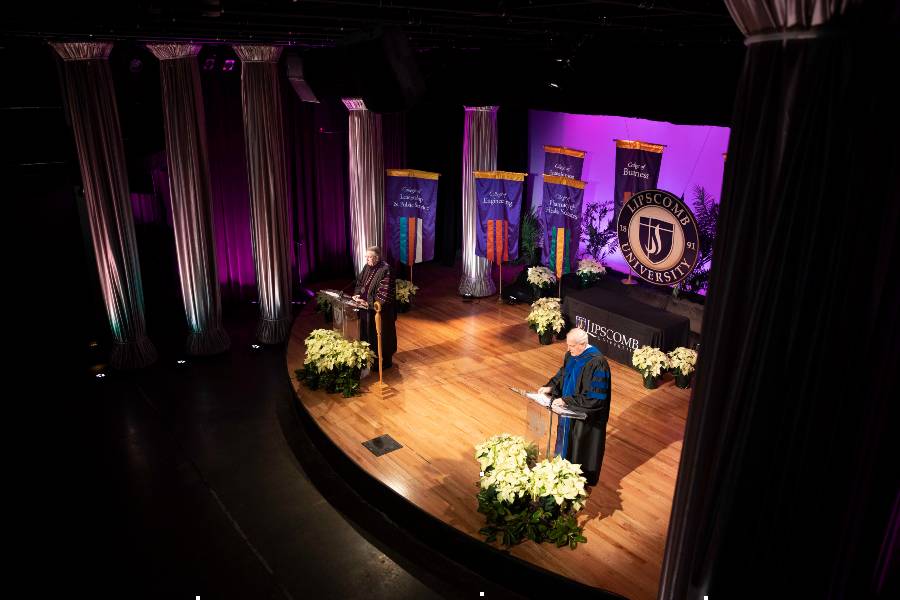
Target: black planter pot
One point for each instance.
(546, 338)
(403, 307)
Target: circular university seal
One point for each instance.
(658, 237)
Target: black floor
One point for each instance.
(177, 482)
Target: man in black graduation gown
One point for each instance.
(584, 383)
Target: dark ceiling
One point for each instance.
(669, 60)
(521, 24)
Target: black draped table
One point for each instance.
(618, 325)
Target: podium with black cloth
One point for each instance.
(618, 325)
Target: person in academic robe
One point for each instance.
(584, 384)
(376, 282)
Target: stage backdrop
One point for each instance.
(693, 156)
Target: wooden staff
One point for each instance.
(378, 333)
(500, 296)
(410, 273)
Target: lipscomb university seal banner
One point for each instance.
(658, 237)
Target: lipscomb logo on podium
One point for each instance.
(658, 237)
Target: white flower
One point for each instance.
(650, 361)
(405, 290)
(682, 360)
(540, 276)
(545, 313)
(590, 266)
(558, 478)
(502, 452)
(327, 350)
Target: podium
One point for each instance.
(542, 421)
(345, 311)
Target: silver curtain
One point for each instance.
(95, 124)
(479, 154)
(185, 127)
(270, 218)
(767, 16)
(366, 180)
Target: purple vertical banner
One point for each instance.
(563, 162)
(498, 196)
(411, 200)
(561, 222)
(637, 169)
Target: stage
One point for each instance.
(447, 392)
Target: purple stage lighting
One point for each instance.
(209, 64)
(228, 65)
(135, 65)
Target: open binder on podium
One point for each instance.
(541, 424)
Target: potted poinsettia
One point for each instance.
(323, 305)
(540, 278)
(334, 363)
(651, 362)
(589, 271)
(523, 499)
(681, 363)
(546, 319)
(404, 292)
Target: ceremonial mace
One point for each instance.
(378, 333)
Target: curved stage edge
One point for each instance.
(421, 510)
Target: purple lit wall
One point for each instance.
(693, 155)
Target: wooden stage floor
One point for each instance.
(447, 392)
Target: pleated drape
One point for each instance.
(267, 172)
(94, 116)
(185, 127)
(479, 154)
(787, 484)
(366, 167)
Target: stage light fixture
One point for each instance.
(553, 85)
(209, 64)
(100, 375)
(228, 65)
(135, 65)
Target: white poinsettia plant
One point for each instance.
(405, 290)
(327, 350)
(589, 266)
(523, 500)
(504, 461)
(504, 451)
(682, 360)
(540, 276)
(558, 478)
(546, 314)
(650, 361)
